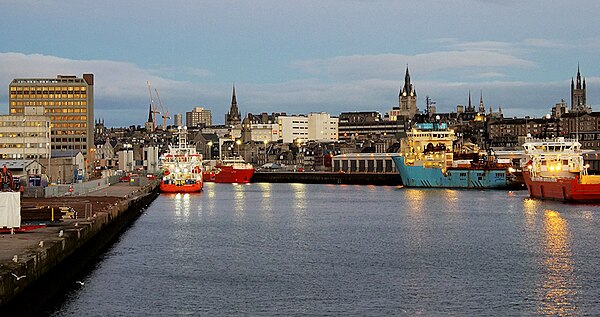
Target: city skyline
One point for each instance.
(304, 56)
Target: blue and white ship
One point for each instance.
(427, 160)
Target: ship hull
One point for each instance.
(229, 174)
(419, 176)
(185, 188)
(562, 189)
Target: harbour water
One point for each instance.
(297, 249)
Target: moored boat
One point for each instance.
(426, 159)
(182, 167)
(231, 170)
(556, 171)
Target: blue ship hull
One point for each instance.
(419, 176)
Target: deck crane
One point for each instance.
(153, 106)
(165, 111)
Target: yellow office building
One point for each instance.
(68, 102)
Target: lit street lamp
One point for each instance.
(209, 148)
(238, 142)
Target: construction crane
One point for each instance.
(153, 106)
(165, 111)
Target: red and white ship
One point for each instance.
(556, 171)
(182, 167)
(232, 170)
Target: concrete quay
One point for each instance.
(36, 264)
(384, 179)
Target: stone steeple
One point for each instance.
(407, 98)
(233, 117)
(578, 94)
(481, 105)
(150, 114)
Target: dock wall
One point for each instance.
(49, 267)
(387, 179)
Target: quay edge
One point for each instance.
(384, 179)
(48, 268)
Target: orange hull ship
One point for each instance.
(182, 168)
(556, 171)
(229, 171)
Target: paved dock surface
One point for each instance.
(21, 244)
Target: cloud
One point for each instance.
(121, 94)
(546, 43)
(393, 65)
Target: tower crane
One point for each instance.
(165, 111)
(153, 106)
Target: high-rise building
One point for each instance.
(198, 117)
(68, 102)
(25, 135)
(178, 119)
(407, 98)
(233, 117)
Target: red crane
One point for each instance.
(165, 111)
(153, 106)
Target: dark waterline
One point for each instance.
(297, 249)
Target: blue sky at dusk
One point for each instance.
(303, 56)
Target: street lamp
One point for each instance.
(266, 154)
(209, 148)
(238, 142)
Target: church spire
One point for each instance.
(150, 114)
(233, 100)
(470, 106)
(233, 116)
(481, 105)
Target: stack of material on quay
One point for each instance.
(40, 209)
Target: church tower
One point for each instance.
(578, 96)
(233, 117)
(407, 98)
(470, 107)
(149, 125)
(481, 105)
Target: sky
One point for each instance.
(306, 56)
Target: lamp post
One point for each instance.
(49, 154)
(238, 142)
(209, 148)
(266, 154)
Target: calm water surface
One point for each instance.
(303, 249)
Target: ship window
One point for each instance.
(463, 174)
(499, 175)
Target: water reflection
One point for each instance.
(530, 207)
(299, 202)
(239, 196)
(558, 289)
(182, 205)
(266, 201)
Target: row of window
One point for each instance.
(68, 125)
(26, 134)
(63, 110)
(20, 145)
(21, 123)
(68, 118)
(46, 89)
(67, 132)
(49, 96)
(48, 103)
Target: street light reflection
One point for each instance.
(557, 293)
